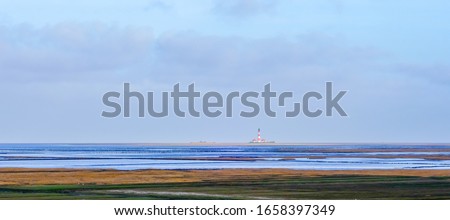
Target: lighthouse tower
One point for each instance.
(259, 135)
(258, 139)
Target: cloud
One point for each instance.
(84, 51)
(192, 56)
(435, 73)
(244, 8)
(87, 51)
(68, 50)
(156, 4)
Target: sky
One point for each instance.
(58, 58)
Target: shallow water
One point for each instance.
(132, 157)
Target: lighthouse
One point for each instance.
(258, 139)
(259, 135)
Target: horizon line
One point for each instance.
(237, 143)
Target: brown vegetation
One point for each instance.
(15, 176)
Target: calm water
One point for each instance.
(131, 157)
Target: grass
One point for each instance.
(264, 187)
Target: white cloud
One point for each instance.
(433, 73)
(83, 51)
(67, 50)
(197, 57)
(243, 8)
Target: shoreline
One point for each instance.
(237, 144)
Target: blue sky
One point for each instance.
(58, 58)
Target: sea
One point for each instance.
(173, 157)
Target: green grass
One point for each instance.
(326, 187)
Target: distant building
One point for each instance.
(259, 139)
